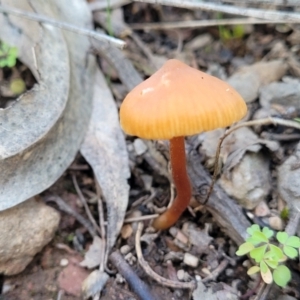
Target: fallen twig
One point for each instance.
(102, 228)
(86, 207)
(200, 23)
(137, 285)
(213, 276)
(161, 280)
(63, 25)
(230, 9)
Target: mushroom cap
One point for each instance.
(178, 100)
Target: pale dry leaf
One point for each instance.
(40, 134)
(105, 149)
(202, 292)
(92, 257)
(94, 284)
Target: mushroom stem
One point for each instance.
(182, 184)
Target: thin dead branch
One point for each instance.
(161, 280)
(229, 9)
(84, 203)
(200, 23)
(63, 25)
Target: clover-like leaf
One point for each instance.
(265, 273)
(253, 229)
(276, 252)
(293, 241)
(290, 252)
(282, 237)
(260, 236)
(258, 253)
(244, 249)
(271, 263)
(268, 232)
(282, 275)
(253, 270)
(253, 241)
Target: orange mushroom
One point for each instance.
(174, 102)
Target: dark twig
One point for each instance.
(138, 286)
(63, 206)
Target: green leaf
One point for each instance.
(282, 275)
(290, 252)
(2, 63)
(293, 241)
(253, 229)
(259, 236)
(276, 252)
(268, 232)
(271, 263)
(265, 273)
(238, 31)
(263, 267)
(252, 241)
(285, 213)
(244, 249)
(258, 253)
(282, 237)
(253, 270)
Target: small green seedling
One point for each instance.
(269, 257)
(8, 55)
(229, 33)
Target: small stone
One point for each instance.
(139, 146)
(64, 262)
(24, 230)
(179, 235)
(276, 223)
(125, 249)
(119, 278)
(126, 231)
(71, 278)
(206, 271)
(262, 209)
(191, 260)
(183, 275)
(180, 274)
(229, 272)
(247, 264)
(130, 258)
